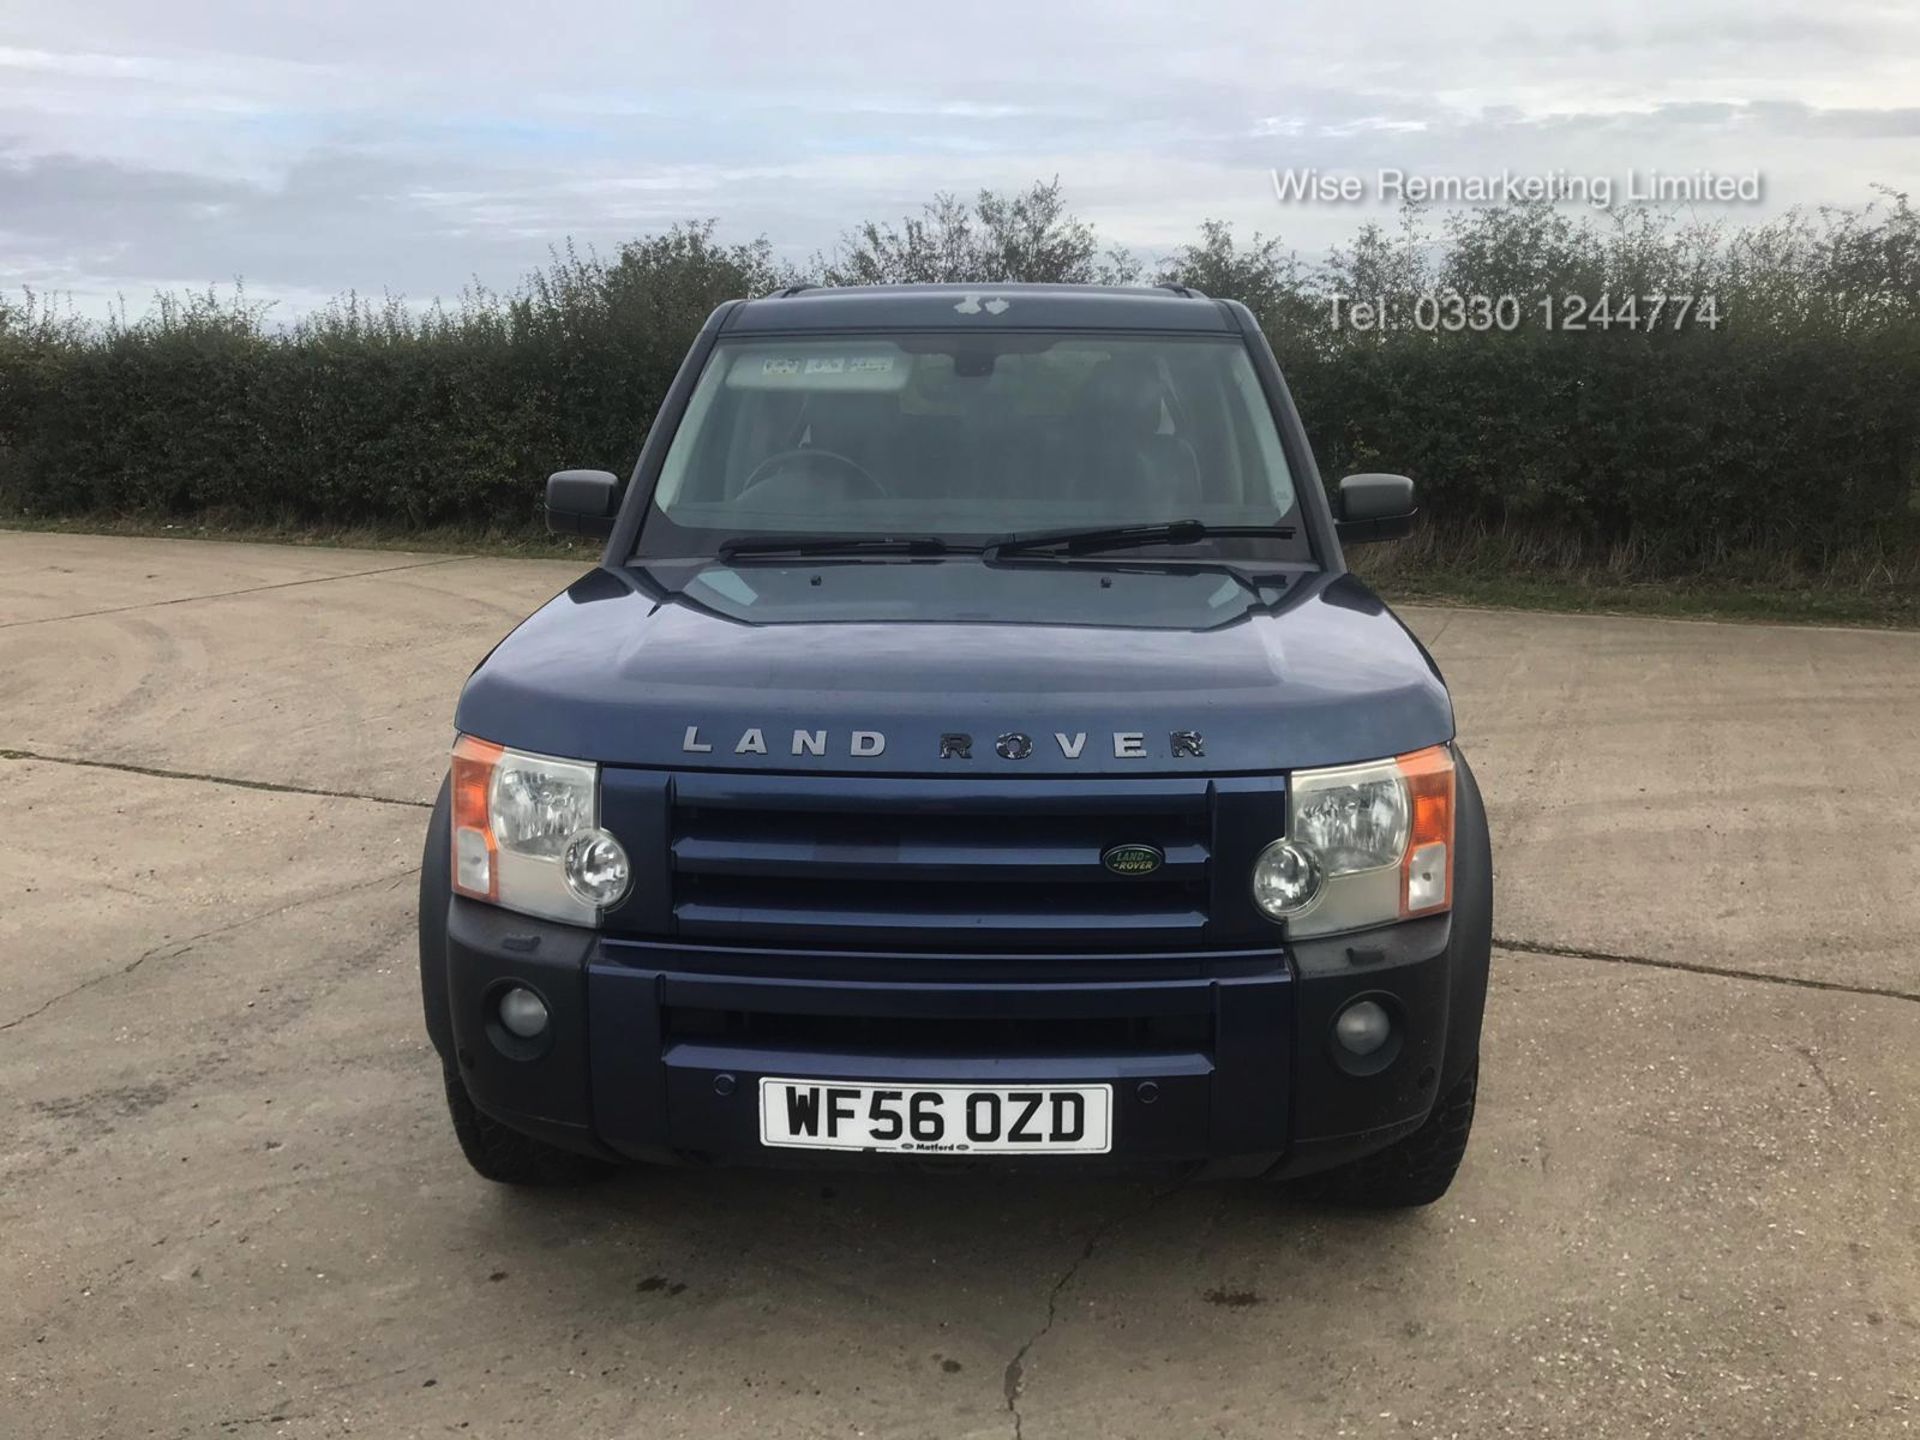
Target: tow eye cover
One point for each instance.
(1132, 859)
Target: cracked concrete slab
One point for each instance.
(1652, 962)
(53, 576)
(345, 684)
(156, 772)
(232, 1204)
(1722, 794)
(1013, 1382)
(101, 869)
(1666, 1227)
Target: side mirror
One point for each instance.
(1374, 507)
(582, 502)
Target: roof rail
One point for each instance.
(1185, 292)
(789, 290)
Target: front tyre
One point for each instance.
(1413, 1171)
(502, 1154)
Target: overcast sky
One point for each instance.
(314, 146)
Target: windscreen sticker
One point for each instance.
(869, 367)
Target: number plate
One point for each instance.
(937, 1119)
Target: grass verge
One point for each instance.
(1539, 568)
(1692, 599)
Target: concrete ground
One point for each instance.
(230, 1202)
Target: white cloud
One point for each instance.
(374, 146)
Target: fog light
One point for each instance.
(1286, 879)
(523, 1013)
(1362, 1028)
(596, 868)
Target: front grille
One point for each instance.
(881, 862)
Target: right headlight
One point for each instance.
(1365, 844)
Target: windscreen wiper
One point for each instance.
(838, 545)
(1129, 537)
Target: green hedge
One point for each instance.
(1689, 450)
(1790, 429)
(363, 415)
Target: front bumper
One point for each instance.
(1218, 1058)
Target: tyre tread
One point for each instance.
(507, 1157)
(1413, 1171)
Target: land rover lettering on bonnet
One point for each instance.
(870, 744)
(970, 749)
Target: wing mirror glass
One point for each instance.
(582, 502)
(1375, 507)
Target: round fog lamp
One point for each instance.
(1363, 1027)
(596, 868)
(1286, 878)
(523, 1013)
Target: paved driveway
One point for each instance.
(230, 1202)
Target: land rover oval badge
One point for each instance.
(1132, 859)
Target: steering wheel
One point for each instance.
(767, 470)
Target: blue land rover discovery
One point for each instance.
(971, 747)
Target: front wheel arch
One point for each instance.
(1470, 936)
(436, 894)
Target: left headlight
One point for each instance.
(1366, 844)
(527, 836)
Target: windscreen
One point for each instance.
(968, 438)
